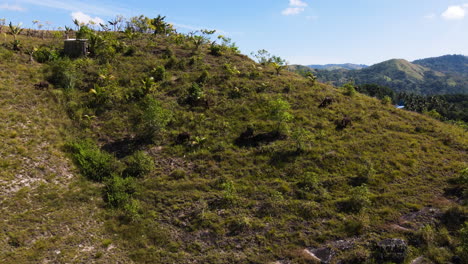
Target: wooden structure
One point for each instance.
(75, 48)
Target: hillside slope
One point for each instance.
(189, 153)
(450, 64)
(48, 213)
(444, 75)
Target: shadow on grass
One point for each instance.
(125, 147)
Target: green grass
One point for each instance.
(206, 199)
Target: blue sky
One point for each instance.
(301, 31)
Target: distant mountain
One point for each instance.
(450, 64)
(331, 67)
(441, 75)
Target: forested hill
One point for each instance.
(449, 64)
(161, 147)
(443, 75)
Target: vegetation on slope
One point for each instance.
(204, 156)
(436, 76)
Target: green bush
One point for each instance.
(154, 118)
(62, 74)
(349, 89)
(45, 54)
(118, 191)
(203, 77)
(359, 200)
(138, 165)
(386, 100)
(159, 73)
(93, 163)
(278, 111)
(216, 50)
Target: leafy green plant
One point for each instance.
(348, 89)
(195, 93)
(358, 201)
(386, 100)
(45, 54)
(302, 138)
(159, 73)
(311, 78)
(15, 30)
(204, 77)
(278, 111)
(138, 165)
(154, 118)
(62, 74)
(93, 163)
(118, 191)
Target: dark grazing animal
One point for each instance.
(42, 85)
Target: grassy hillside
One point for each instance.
(189, 152)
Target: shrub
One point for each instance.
(93, 163)
(118, 191)
(278, 111)
(302, 138)
(195, 93)
(203, 77)
(45, 54)
(359, 200)
(138, 165)
(309, 182)
(216, 50)
(62, 74)
(386, 100)
(154, 118)
(349, 89)
(159, 73)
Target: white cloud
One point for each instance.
(295, 7)
(297, 3)
(456, 12)
(292, 11)
(86, 19)
(12, 7)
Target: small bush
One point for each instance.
(62, 74)
(359, 200)
(45, 54)
(386, 100)
(203, 77)
(178, 174)
(216, 50)
(93, 163)
(138, 165)
(349, 89)
(159, 73)
(154, 118)
(118, 191)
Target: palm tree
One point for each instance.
(15, 30)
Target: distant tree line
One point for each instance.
(449, 106)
